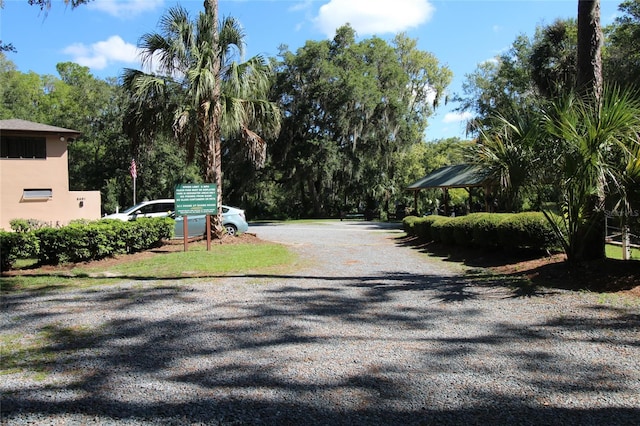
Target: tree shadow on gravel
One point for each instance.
(344, 350)
(532, 271)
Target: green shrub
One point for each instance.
(485, 229)
(530, 230)
(26, 225)
(439, 232)
(79, 242)
(408, 224)
(16, 245)
(463, 229)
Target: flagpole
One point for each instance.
(134, 191)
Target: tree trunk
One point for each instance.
(589, 66)
(589, 83)
(214, 134)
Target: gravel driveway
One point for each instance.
(364, 331)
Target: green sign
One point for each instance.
(196, 198)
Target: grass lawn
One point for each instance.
(615, 252)
(166, 262)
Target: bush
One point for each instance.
(439, 233)
(420, 226)
(463, 230)
(408, 224)
(529, 230)
(26, 225)
(485, 230)
(16, 245)
(96, 240)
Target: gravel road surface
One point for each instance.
(364, 331)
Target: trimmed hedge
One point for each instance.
(81, 242)
(16, 245)
(526, 230)
(529, 230)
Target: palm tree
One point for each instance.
(507, 149)
(598, 142)
(200, 93)
(589, 55)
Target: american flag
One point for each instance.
(133, 169)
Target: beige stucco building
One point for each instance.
(34, 176)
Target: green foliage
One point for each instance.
(97, 240)
(26, 225)
(17, 245)
(485, 229)
(438, 230)
(529, 230)
(507, 231)
(598, 144)
(463, 230)
(621, 57)
(351, 109)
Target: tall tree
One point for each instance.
(622, 59)
(350, 106)
(589, 60)
(201, 93)
(589, 85)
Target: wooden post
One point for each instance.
(208, 232)
(626, 246)
(185, 232)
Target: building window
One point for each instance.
(37, 194)
(23, 147)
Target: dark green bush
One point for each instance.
(420, 226)
(463, 229)
(96, 240)
(16, 245)
(438, 232)
(424, 226)
(529, 230)
(408, 224)
(485, 230)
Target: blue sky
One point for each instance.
(460, 33)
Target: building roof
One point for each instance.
(457, 176)
(17, 125)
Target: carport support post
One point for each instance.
(185, 232)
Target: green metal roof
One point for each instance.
(458, 176)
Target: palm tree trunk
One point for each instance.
(589, 66)
(214, 160)
(589, 83)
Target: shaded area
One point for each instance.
(341, 350)
(531, 270)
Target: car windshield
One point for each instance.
(132, 209)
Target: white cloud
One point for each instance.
(369, 17)
(103, 53)
(456, 117)
(125, 8)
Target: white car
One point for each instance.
(153, 208)
(233, 219)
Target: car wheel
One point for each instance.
(231, 229)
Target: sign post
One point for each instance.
(196, 198)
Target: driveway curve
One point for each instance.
(363, 331)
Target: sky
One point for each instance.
(103, 34)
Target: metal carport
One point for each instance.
(456, 176)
